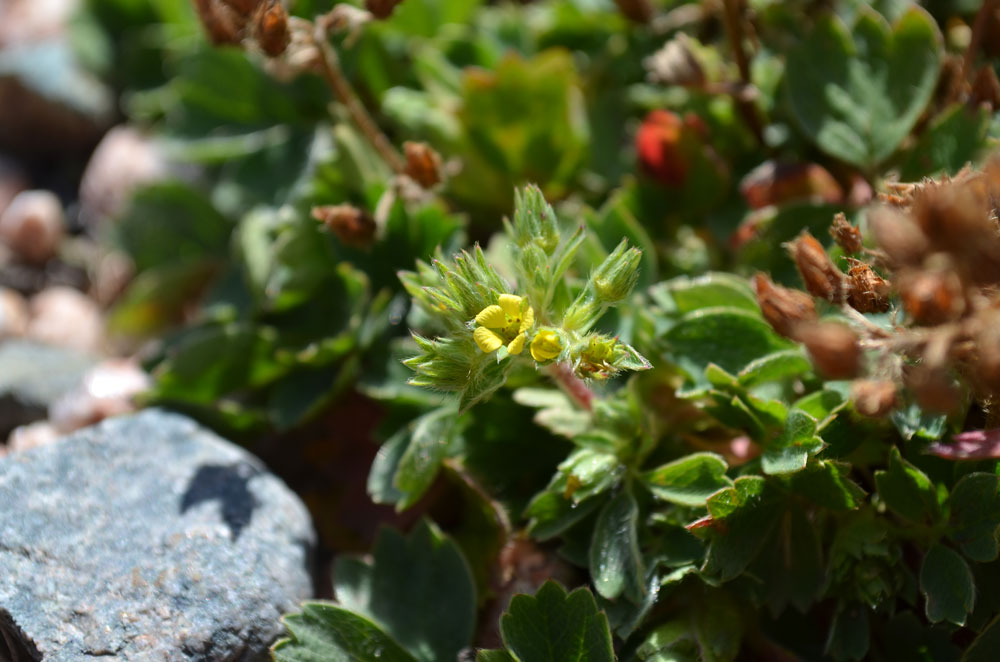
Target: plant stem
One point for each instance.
(329, 65)
(572, 385)
(733, 19)
(978, 26)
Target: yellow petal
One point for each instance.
(487, 340)
(511, 304)
(492, 317)
(546, 346)
(517, 344)
(528, 321)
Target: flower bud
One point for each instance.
(931, 297)
(783, 308)
(867, 291)
(352, 226)
(846, 235)
(534, 220)
(821, 276)
(272, 30)
(546, 345)
(873, 398)
(617, 275)
(834, 349)
(423, 164)
(381, 8)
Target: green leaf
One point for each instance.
(775, 367)
(748, 512)
(494, 656)
(826, 484)
(984, 648)
(690, 480)
(857, 93)
(954, 138)
(712, 290)
(912, 421)
(552, 626)
(791, 450)
(718, 628)
(907, 490)
(791, 564)
(947, 585)
(975, 515)
(615, 561)
(849, 633)
(326, 633)
(418, 588)
(419, 464)
(707, 336)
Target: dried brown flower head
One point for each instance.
(675, 64)
(931, 297)
(874, 398)
(897, 235)
(846, 235)
(223, 24)
(272, 30)
(423, 164)
(381, 8)
(834, 349)
(353, 226)
(821, 276)
(933, 389)
(784, 309)
(867, 291)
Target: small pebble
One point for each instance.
(33, 225)
(106, 390)
(32, 435)
(65, 317)
(13, 314)
(124, 160)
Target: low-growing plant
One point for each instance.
(718, 380)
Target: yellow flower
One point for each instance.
(504, 323)
(546, 345)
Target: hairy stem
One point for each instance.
(572, 385)
(329, 65)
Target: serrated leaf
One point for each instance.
(975, 515)
(615, 561)
(748, 513)
(947, 584)
(418, 588)
(907, 490)
(553, 626)
(690, 480)
(791, 450)
(857, 93)
(324, 632)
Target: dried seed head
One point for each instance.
(777, 182)
(873, 398)
(423, 164)
(867, 291)
(821, 276)
(898, 236)
(784, 309)
(222, 24)
(639, 11)
(932, 296)
(381, 8)
(352, 226)
(846, 235)
(675, 64)
(933, 389)
(833, 347)
(955, 217)
(272, 30)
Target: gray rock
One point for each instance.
(147, 537)
(33, 376)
